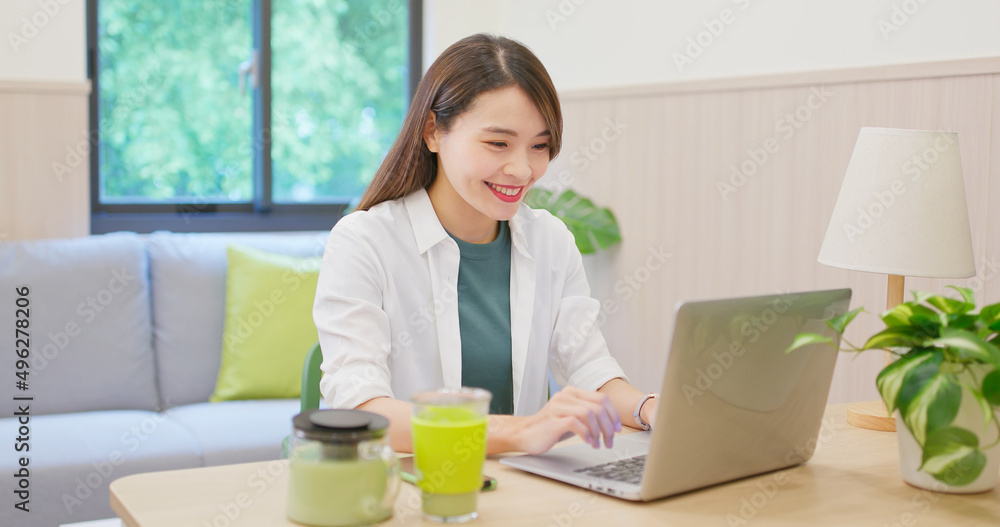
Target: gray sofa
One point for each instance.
(125, 344)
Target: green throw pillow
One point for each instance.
(269, 327)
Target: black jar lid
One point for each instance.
(339, 426)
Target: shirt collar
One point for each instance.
(428, 231)
(516, 225)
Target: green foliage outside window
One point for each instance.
(175, 126)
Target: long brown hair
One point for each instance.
(468, 68)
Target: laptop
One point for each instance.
(733, 403)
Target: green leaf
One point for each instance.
(840, 322)
(984, 406)
(805, 339)
(890, 379)
(896, 337)
(991, 387)
(962, 321)
(593, 227)
(538, 198)
(920, 296)
(948, 305)
(990, 315)
(928, 399)
(967, 297)
(952, 456)
(968, 345)
(903, 314)
(929, 325)
(898, 316)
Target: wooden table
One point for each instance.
(853, 479)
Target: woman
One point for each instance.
(441, 278)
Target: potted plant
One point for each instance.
(594, 228)
(944, 386)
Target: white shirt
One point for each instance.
(387, 308)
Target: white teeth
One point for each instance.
(505, 191)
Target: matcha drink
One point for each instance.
(341, 471)
(312, 500)
(449, 447)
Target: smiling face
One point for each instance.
(489, 159)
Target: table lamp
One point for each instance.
(901, 211)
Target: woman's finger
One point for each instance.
(607, 426)
(605, 401)
(610, 408)
(594, 428)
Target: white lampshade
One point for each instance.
(901, 209)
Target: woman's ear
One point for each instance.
(431, 133)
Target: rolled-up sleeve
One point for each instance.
(352, 325)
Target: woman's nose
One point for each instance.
(518, 166)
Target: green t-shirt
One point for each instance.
(484, 318)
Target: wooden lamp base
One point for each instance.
(871, 415)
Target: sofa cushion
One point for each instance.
(188, 275)
(89, 322)
(238, 431)
(269, 327)
(74, 457)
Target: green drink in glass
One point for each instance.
(449, 447)
(342, 471)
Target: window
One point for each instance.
(237, 115)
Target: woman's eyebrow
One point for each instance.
(512, 133)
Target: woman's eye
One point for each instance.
(541, 146)
(498, 144)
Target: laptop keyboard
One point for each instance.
(627, 470)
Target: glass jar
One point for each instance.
(342, 471)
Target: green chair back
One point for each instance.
(309, 396)
(311, 374)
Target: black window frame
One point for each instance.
(261, 214)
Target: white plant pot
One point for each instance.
(970, 417)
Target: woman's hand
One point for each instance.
(587, 414)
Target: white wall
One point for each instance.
(601, 43)
(43, 40)
(597, 43)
